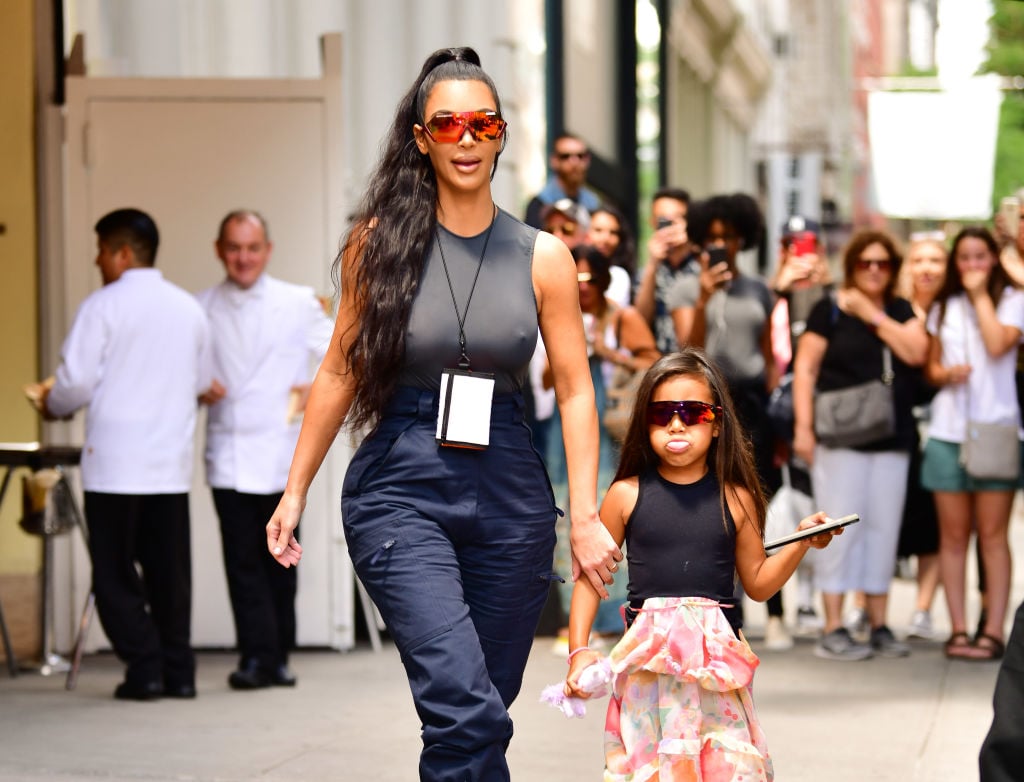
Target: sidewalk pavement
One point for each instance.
(351, 718)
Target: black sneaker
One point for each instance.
(885, 644)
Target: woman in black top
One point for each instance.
(844, 345)
(440, 289)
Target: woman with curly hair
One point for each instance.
(446, 507)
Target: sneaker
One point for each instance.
(884, 643)
(856, 622)
(808, 623)
(921, 626)
(839, 645)
(776, 636)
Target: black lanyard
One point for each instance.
(464, 359)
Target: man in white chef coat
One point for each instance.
(267, 335)
(137, 357)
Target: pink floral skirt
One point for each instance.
(681, 706)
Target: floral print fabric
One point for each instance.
(681, 708)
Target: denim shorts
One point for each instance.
(941, 471)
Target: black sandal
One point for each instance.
(959, 647)
(987, 647)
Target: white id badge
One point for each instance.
(464, 411)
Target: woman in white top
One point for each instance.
(975, 327)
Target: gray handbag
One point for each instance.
(989, 451)
(858, 415)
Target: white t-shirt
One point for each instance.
(138, 355)
(990, 390)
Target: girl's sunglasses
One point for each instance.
(447, 127)
(690, 413)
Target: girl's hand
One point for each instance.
(818, 541)
(580, 661)
(281, 540)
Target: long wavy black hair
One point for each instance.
(390, 234)
(731, 456)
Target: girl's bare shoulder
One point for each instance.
(622, 496)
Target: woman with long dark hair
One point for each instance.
(975, 327)
(446, 507)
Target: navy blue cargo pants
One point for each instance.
(455, 547)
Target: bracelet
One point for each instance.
(574, 652)
(876, 321)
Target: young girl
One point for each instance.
(687, 500)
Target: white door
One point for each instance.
(187, 152)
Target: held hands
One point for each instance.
(281, 540)
(594, 553)
(818, 541)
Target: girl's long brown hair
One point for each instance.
(731, 456)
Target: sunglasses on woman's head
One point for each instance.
(447, 127)
(690, 412)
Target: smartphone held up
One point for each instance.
(1009, 209)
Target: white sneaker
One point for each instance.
(856, 622)
(921, 626)
(776, 636)
(808, 623)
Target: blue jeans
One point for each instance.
(455, 548)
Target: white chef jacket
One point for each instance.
(137, 355)
(266, 339)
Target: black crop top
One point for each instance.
(677, 544)
(501, 323)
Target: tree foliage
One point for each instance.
(1005, 48)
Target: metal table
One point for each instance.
(36, 456)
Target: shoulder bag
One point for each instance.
(858, 415)
(989, 451)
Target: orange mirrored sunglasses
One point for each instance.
(447, 127)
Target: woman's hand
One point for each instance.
(281, 540)
(975, 282)
(957, 374)
(712, 278)
(580, 661)
(804, 442)
(853, 301)
(594, 553)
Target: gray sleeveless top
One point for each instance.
(501, 324)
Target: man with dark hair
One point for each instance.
(669, 256)
(569, 162)
(137, 357)
(267, 335)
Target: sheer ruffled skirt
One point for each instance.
(681, 707)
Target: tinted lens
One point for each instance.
(690, 413)
(447, 127)
(866, 263)
(486, 126)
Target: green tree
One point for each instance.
(1005, 56)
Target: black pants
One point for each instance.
(146, 616)
(262, 591)
(1002, 753)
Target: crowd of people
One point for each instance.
(485, 360)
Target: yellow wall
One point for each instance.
(19, 333)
